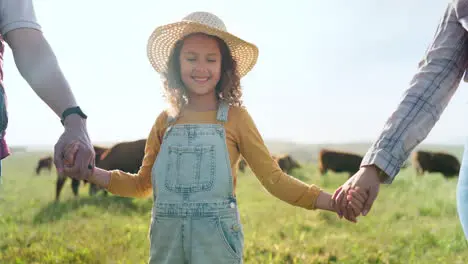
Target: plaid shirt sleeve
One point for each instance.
(431, 88)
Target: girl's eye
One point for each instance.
(191, 59)
(211, 60)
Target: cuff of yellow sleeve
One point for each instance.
(113, 176)
(310, 198)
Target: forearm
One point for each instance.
(290, 189)
(130, 185)
(324, 202)
(423, 103)
(403, 131)
(121, 183)
(39, 66)
(100, 177)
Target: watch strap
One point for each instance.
(72, 110)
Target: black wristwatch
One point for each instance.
(72, 110)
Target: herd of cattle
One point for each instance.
(128, 156)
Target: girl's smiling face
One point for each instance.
(200, 64)
(201, 71)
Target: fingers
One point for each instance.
(349, 215)
(342, 204)
(361, 192)
(339, 202)
(356, 206)
(88, 167)
(85, 161)
(356, 200)
(334, 196)
(83, 157)
(79, 161)
(370, 200)
(70, 154)
(356, 194)
(58, 157)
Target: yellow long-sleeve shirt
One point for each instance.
(242, 138)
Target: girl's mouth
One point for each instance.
(200, 80)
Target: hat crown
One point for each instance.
(162, 41)
(207, 19)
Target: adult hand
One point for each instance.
(367, 179)
(75, 131)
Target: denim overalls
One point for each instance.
(195, 218)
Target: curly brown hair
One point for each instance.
(228, 88)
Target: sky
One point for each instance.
(328, 71)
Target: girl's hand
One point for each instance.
(355, 200)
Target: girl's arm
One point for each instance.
(134, 185)
(324, 201)
(101, 177)
(278, 183)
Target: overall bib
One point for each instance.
(195, 218)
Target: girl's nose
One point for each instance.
(200, 69)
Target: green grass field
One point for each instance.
(414, 220)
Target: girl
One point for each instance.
(192, 151)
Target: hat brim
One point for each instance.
(163, 39)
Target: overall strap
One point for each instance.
(170, 119)
(223, 110)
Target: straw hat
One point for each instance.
(163, 38)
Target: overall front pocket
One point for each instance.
(222, 237)
(190, 168)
